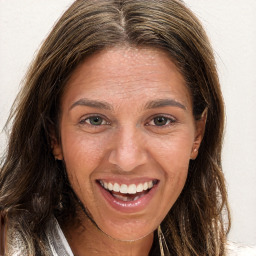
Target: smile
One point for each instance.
(128, 193)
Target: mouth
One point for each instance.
(128, 192)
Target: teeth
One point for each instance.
(136, 198)
(145, 186)
(124, 189)
(110, 186)
(116, 187)
(132, 189)
(126, 198)
(123, 198)
(139, 188)
(127, 189)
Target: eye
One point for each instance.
(161, 121)
(94, 120)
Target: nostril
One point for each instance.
(129, 150)
(128, 161)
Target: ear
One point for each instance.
(199, 134)
(56, 147)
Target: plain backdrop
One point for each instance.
(231, 26)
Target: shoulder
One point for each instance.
(235, 249)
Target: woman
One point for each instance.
(117, 138)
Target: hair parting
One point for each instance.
(32, 182)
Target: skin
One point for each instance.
(127, 145)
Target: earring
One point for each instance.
(162, 243)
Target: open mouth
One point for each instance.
(127, 193)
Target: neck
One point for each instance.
(86, 239)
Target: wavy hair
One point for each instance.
(32, 182)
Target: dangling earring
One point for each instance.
(162, 243)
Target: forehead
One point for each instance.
(127, 73)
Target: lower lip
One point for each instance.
(130, 206)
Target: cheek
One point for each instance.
(173, 150)
(172, 154)
(82, 155)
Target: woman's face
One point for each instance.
(127, 136)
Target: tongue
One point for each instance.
(128, 197)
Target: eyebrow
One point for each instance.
(163, 103)
(104, 105)
(91, 103)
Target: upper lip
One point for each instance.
(126, 178)
(126, 181)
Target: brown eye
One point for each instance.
(161, 121)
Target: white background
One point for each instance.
(231, 26)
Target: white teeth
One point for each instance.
(116, 187)
(124, 189)
(127, 189)
(123, 198)
(136, 198)
(139, 188)
(132, 189)
(126, 198)
(110, 186)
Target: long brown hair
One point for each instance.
(32, 183)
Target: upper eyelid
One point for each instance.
(171, 117)
(85, 117)
(168, 116)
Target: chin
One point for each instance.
(127, 229)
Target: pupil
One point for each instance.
(96, 120)
(160, 121)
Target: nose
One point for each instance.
(129, 150)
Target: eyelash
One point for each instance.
(169, 121)
(88, 118)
